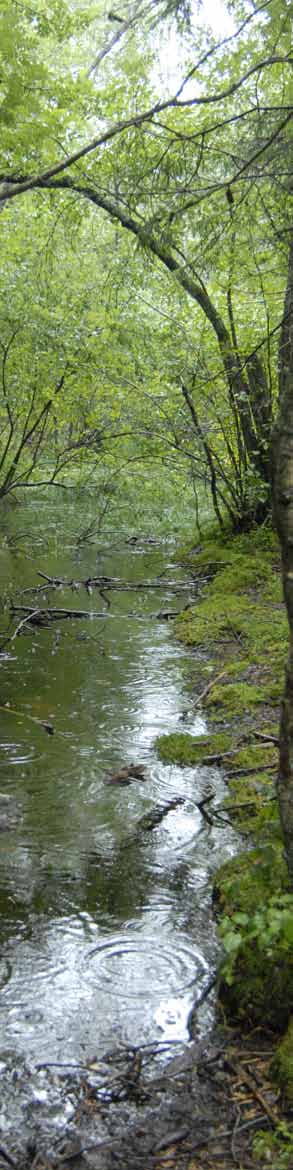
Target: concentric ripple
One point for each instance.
(137, 967)
(14, 754)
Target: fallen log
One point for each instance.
(43, 617)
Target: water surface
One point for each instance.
(107, 934)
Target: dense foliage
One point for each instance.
(145, 171)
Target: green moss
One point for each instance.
(249, 879)
(240, 622)
(258, 547)
(273, 590)
(212, 619)
(245, 803)
(235, 698)
(242, 573)
(252, 755)
(282, 1065)
(180, 748)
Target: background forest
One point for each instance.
(146, 185)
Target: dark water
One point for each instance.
(106, 932)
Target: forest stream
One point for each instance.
(107, 931)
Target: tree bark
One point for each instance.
(282, 468)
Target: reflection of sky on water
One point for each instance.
(157, 691)
(76, 872)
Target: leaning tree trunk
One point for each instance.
(283, 510)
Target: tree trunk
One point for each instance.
(282, 460)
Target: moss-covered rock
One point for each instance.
(282, 1066)
(183, 749)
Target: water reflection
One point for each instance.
(106, 928)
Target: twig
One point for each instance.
(33, 718)
(251, 771)
(58, 1064)
(53, 580)
(24, 622)
(209, 688)
(247, 1080)
(234, 1134)
(171, 1139)
(218, 757)
(267, 738)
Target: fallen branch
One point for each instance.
(266, 738)
(23, 622)
(221, 757)
(109, 583)
(33, 718)
(200, 804)
(251, 771)
(39, 617)
(209, 688)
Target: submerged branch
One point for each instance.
(41, 617)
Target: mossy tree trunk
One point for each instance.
(283, 510)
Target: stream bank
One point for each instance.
(239, 623)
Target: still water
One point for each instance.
(107, 934)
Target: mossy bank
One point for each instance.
(238, 628)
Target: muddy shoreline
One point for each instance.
(199, 1110)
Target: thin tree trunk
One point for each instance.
(282, 460)
(239, 386)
